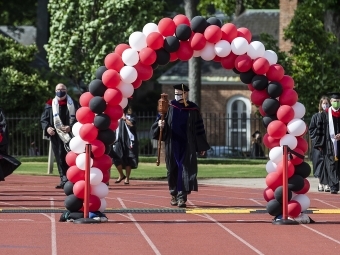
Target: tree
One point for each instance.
(18, 12)
(83, 32)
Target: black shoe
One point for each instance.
(181, 204)
(119, 180)
(60, 186)
(173, 201)
(334, 192)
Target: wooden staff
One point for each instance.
(163, 105)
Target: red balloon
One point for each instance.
(261, 111)
(287, 82)
(228, 62)
(114, 125)
(113, 96)
(71, 158)
(229, 32)
(273, 180)
(275, 72)
(294, 209)
(94, 203)
(270, 142)
(166, 27)
(181, 19)
(217, 58)
(155, 40)
(111, 78)
(260, 66)
(197, 41)
(302, 144)
(243, 63)
(85, 98)
(290, 169)
(79, 189)
(137, 83)
(88, 132)
(258, 96)
(97, 148)
(147, 56)
(185, 52)
(277, 129)
(74, 174)
(268, 194)
(305, 188)
(120, 48)
(85, 115)
(103, 163)
(213, 33)
(245, 33)
(288, 97)
(113, 61)
(115, 112)
(106, 176)
(285, 113)
(296, 160)
(173, 56)
(145, 72)
(1, 137)
(251, 88)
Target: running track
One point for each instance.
(159, 233)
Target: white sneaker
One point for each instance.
(327, 188)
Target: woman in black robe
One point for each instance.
(256, 149)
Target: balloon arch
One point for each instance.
(179, 38)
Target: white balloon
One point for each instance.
(275, 154)
(256, 50)
(101, 190)
(127, 89)
(271, 56)
(103, 205)
(303, 200)
(149, 28)
(222, 48)
(208, 52)
(239, 46)
(75, 128)
(296, 127)
(271, 167)
(96, 176)
(77, 145)
(128, 74)
(124, 102)
(289, 140)
(81, 161)
(299, 110)
(137, 40)
(130, 57)
(197, 53)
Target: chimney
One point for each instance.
(287, 9)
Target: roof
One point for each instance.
(25, 35)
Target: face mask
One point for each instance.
(336, 105)
(178, 97)
(324, 106)
(60, 93)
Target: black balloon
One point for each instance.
(163, 57)
(270, 106)
(154, 66)
(171, 44)
(97, 104)
(236, 71)
(214, 21)
(274, 208)
(296, 183)
(183, 32)
(259, 82)
(278, 194)
(106, 136)
(102, 121)
(72, 203)
(274, 89)
(247, 77)
(303, 169)
(100, 71)
(267, 119)
(108, 149)
(97, 88)
(68, 188)
(198, 24)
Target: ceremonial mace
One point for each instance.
(163, 105)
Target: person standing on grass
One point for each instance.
(184, 136)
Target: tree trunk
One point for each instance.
(332, 23)
(194, 75)
(239, 9)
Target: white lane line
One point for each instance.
(255, 201)
(153, 247)
(322, 234)
(230, 232)
(53, 230)
(321, 201)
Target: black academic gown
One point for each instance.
(184, 136)
(256, 149)
(316, 155)
(330, 174)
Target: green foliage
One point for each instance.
(83, 32)
(18, 12)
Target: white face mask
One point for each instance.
(178, 97)
(325, 106)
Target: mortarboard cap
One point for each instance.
(256, 132)
(181, 87)
(335, 95)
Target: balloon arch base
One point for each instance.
(285, 222)
(86, 221)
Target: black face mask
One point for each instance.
(60, 93)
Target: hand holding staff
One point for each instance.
(163, 105)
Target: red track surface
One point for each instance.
(159, 233)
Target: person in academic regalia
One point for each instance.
(184, 136)
(316, 154)
(256, 149)
(125, 147)
(327, 140)
(7, 163)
